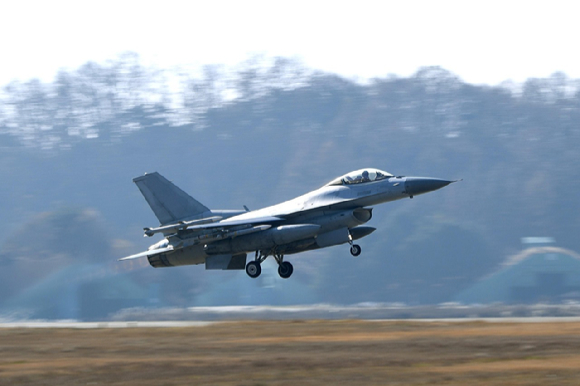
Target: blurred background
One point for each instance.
(271, 127)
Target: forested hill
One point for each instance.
(266, 132)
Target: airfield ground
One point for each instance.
(296, 352)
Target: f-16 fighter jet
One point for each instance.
(221, 239)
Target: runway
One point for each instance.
(93, 325)
(455, 352)
(181, 324)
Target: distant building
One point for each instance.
(540, 273)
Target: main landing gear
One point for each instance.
(285, 270)
(254, 268)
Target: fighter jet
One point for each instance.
(221, 239)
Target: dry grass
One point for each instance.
(290, 353)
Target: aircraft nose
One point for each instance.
(420, 185)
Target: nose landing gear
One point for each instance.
(355, 250)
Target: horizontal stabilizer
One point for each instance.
(147, 253)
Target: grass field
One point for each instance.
(300, 352)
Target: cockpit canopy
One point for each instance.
(360, 176)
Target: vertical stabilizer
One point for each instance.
(169, 203)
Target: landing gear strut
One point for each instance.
(285, 269)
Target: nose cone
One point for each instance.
(420, 185)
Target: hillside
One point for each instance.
(265, 133)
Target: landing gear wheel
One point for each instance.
(285, 270)
(253, 269)
(355, 250)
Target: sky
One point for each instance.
(482, 42)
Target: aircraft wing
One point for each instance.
(320, 205)
(208, 223)
(222, 228)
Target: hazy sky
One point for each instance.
(481, 42)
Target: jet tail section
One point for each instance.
(168, 202)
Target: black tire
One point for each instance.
(253, 269)
(355, 250)
(285, 270)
